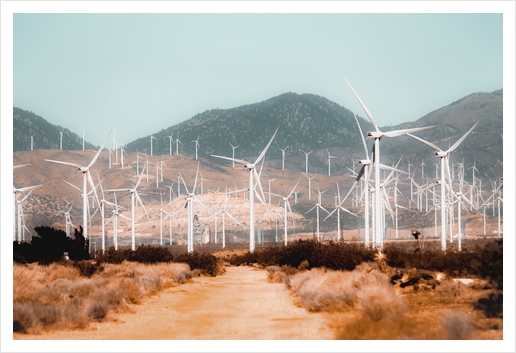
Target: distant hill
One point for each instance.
(45, 135)
(306, 122)
(309, 122)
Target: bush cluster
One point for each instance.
(331, 255)
(207, 263)
(485, 261)
(50, 245)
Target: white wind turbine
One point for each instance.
(196, 146)
(114, 218)
(252, 190)
(234, 148)
(444, 155)
(283, 157)
(270, 181)
(86, 177)
(135, 198)
(338, 207)
(152, 138)
(32, 143)
(190, 198)
(170, 138)
(21, 216)
(318, 206)
(177, 143)
(306, 163)
(286, 205)
(329, 162)
(377, 135)
(61, 140)
(309, 186)
(83, 139)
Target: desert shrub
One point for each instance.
(202, 261)
(49, 246)
(97, 311)
(457, 325)
(88, 268)
(44, 300)
(491, 305)
(320, 289)
(112, 256)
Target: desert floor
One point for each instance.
(239, 305)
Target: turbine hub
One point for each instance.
(375, 134)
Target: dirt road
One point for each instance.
(240, 305)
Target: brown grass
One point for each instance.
(57, 297)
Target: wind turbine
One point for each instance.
(444, 155)
(329, 162)
(151, 138)
(86, 177)
(135, 198)
(377, 135)
(338, 207)
(177, 143)
(61, 140)
(190, 197)
(170, 138)
(83, 139)
(21, 216)
(32, 143)
(252, 172)
(283, 157)
(306, 164)
(270, 181)
(116, 213)
(196, 146)
(234, 148)
(286, 204)
(309, 186)
(318, 206)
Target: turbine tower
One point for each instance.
(283, 157)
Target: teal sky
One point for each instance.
(140, 73)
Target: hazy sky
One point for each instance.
(140, 73)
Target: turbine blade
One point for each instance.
(266, 147)
(368, 113)
(100, 150)
(231, 159)
(456, 144)
(406, 131)
(426, 143)
(65, 163)
(361, 136)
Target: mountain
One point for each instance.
(45, 135)
(309, 122)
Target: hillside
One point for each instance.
(45, 135)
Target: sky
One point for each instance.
(138, 67)
(140, 73)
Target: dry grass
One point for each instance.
(57, 297)
(370, 292)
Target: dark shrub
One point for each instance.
(201, 261)
(491, 306)
(88, 268)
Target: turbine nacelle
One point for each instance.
(375, 134)
(249, 165)
(364, 161)
(441, 154)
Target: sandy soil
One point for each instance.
(239, 305)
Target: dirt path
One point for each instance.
(241, 304)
